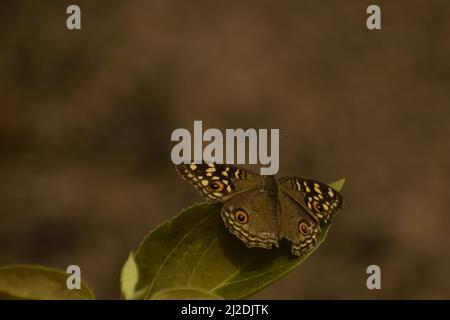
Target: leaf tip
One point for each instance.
(338, 185)
(129, 278)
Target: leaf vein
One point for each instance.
(150, 287)
(200, 260)
(223, 283)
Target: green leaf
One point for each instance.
(129, 278)
(337, 185)
(193, 256)
(38, 283)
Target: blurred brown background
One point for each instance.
(86, 118)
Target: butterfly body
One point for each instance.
(261, 210)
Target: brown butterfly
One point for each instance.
(261, 210)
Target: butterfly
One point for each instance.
(262, 210)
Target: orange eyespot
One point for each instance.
(241, 216)
(303, 227)
(317, 206)
(217, 186)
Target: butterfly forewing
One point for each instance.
(318, 199)
(219, 181)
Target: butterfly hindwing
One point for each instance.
(297, 226)
(318, 199)
(252, 217)
(218, 181)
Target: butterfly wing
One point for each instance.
(297, 226)
(252, 216)
(318, 199)
(219, 181)
(248, 211)
(305, 206)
